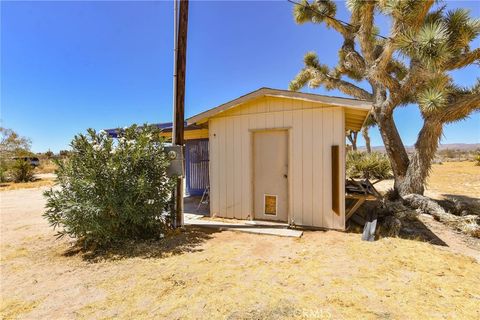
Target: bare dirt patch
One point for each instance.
(227, 275)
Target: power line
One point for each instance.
(344, 23)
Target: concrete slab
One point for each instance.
(280, 230)
(266, 223)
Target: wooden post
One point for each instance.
(179, 101)
(336, 179)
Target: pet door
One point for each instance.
(270, 206)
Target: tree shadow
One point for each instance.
(460, 204)
(186, 241)
(411, 227)
(414, 229)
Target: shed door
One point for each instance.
(270, 153)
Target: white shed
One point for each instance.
(280, 155)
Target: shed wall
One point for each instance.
(313, 129)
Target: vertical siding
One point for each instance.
(237, 169)
(297, 169)
(307, 168)
(245, 174)
(214, 168)
(222, 164)
(230, 136)
(327, 132)
(312, 131)
(317, 167)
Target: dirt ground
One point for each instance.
(453, 181)
(41, 180)
(226, 275)
(457, 180)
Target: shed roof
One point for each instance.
(166, 127)
(356, 111)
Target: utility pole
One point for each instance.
(179, 96)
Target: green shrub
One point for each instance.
(22, 171)
(5, 168)
(363, 165)
(12, 146)
(477, 159)
(3, 171)
(112, 190)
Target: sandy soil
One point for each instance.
(454, 181)
(227, 275)
(451, 179)
(455, 178)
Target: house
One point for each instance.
(280, 155)
(273, 155)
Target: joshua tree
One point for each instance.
(410, 64)
(352, 137)
(369, 123)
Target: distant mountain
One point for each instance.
(451, 146)
(459, 146)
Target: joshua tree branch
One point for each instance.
(365, 32)
(460, 107)
(464, 60)
(351, 61)
(351, 89)
(378, 70)
(421, 14)
(315, 78)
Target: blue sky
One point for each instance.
(70, 65)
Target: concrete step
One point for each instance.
(275, 229)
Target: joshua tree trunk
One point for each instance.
(421, 159)
(352, 137)
(366, 137)
(393, 146)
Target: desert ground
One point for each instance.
(203, 274)
(41, 180)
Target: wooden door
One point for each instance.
(270, 182)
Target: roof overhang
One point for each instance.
(191, 132)
(356, 111)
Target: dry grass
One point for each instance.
(450, 178)
(10, 309)
(4, 186)
(455, 178)
(242, 276)
(46, 166)
(228, 275)
(231, 275)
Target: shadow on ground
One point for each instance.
(414, 229)
(187, 241)
(411, 227)
(460, 204)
